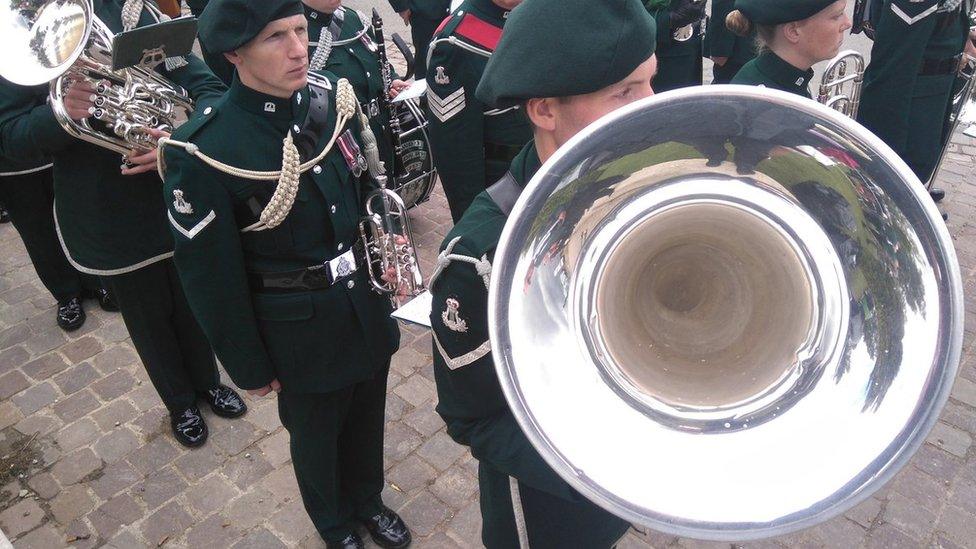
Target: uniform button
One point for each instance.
(340, 246)
(333, 209)
(351, 284)
(297, 129)
(317, 169)
(367, 74)
(208, 110)
(350, 50)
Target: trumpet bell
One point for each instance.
(42, 39)
(726, 313)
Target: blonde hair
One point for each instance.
(738, 23)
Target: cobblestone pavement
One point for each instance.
(88, 461)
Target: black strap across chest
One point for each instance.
(505, 192)
(314, 127)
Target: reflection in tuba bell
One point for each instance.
(63, 41)
(726, 313)
(840, 86)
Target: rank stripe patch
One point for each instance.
(196, 228)
(912, 20)
(446, 107)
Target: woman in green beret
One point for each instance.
(793, 35)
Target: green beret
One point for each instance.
(559, 48)
(226, 25)
(777, 12)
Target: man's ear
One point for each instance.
(540, 111)
(233, 57)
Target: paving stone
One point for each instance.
(125, 539)
(114, 358)
(35, 398)
(81, 349)
(159, 487)
(215, 532)
(77, 434)
(78, 535)
(153, 456)
(117, 411)
(251, 508)
(114, 385)
(455, 487)
(38, 423)
(921, 488)
(168, 523)
(407, 361)
(75, 406)
(76, 378)
(12, 383)
(291, 523)
(424, 420)
(950, 439)
(153, 423)
(964, 495)
(276, 448)
(71, 503)
(416, 390)
(282, 485)
(411, 473)
(887, 536)
(199, 463)
(12, 358)
(399, 441)
(144, 397)
(116, 445)
(44, 485)
(235, 437)
(44, 341)
(395, 407)
(264, 416)
(936, 462)
(21, 517)
(245, 472)
(14, 335)
(260, 538)
(46, 366)
(210, 494)
(958, 525)
(115, 478)
(9, 414)
(466, 524)
(76, 466)
(866, 513)
(440, 451)
(112, 515)
(44, 537)
(909, 517)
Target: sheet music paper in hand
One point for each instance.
(416, 311)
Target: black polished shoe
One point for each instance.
(71, 315)
(225, 402)
(937, 194)
(388, 530)
(4, 214)
(105, 300)
(189, 427)
(352, 541)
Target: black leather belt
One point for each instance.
(936, 67)
(316, 277)
(496, 151)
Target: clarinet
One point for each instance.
(384, 99)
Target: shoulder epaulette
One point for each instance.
(479, 32)
(448, 25)
(195, 123)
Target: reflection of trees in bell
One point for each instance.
(878, 254)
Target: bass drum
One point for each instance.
(413, 172)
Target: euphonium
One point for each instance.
(725, 312)
(63, 41)
(841, 83)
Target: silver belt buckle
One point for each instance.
(342, 266)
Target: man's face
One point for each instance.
(275, 62)
(572, 114)
(324, 6)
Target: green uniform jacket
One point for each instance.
(316, 341)
(771, 71)
(109, 223)
(428, 9)
(721, 42)
(679, 64)
(471, 402)
(901, 104)
(461, 126)
(13, 165)
(358, 63)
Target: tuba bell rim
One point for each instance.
(885, 466)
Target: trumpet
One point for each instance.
(386, 237)
(63, 42)
(840, 86)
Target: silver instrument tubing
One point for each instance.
(726, 313)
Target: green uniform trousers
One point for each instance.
(337, 452)
(30, 201)
(725, 73)
(421, 32)
(164, 332)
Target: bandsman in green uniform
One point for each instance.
(27, 189)
(567, 62)
(679, 42)
(472, 144)
(908, 83)
(727, 50)
(268, 251)
(793, 36)
(112, 224)
(423, 16)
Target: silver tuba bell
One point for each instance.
(726, 313)
(63, 41)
